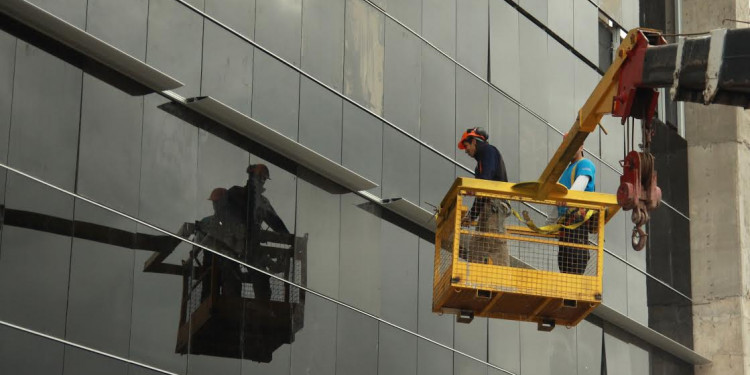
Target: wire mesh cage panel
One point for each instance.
(501, 253)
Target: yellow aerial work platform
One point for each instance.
(509, 264)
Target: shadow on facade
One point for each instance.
(227, 309)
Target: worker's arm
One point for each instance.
(272, 218)
(580, 183)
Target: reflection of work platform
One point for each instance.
(217, 321)
(516, 269)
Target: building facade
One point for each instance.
(98, 183)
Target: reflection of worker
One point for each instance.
(220, 233)
(579, 175)
(250, 205)
(490, 213)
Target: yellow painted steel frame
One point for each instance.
(590, 115)
(511, 292)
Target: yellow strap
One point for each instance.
(551, 228)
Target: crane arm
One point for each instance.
(710, 69)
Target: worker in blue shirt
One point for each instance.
(489, 213)
(579, 175)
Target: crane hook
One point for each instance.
(638, 238)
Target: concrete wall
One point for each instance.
(718, 208)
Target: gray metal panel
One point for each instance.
(614, 283)
(153, 327)
(120, 23)
(87, 44)
(360, 261)
(314, 347)
(472, 109)
(227, 68)
(278, 27)
(563, 352)
(397, 352)
(505, 66)
(320, 119)
(278, 142)
(562, 109)
(439, 24)
(533, 148)
(534, 67)
(237, 14)
(356, 344)
(173, 31)
(26, 354)
(363, 55)
(617, 352)
(504, 132)
(72, 11)
(103, 322)
(637, 296)
(169, 160)
(472, 35)
(412, 212)
(78, 361)
(434, 326)
(466, 366)
(276, 95)
(586, 30)
(319, 214)
(45, 91)
(640, 362)
(41, 303)
(323, 41)
(408, 12)
(203, 364)
(433, 360)
(471, 339)
(109, 159)
(504, 344)
(400, 166)
(436, 176)
(402, 85)
(7, 69)
(560, 19)
(547, 352)
(586, 80)
(438, 109)
(399, 252)
(362, 149)
(537, 8)
(589, 348)
(630, 14)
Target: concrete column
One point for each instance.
(719, 183)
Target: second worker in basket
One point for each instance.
(579, 175)
(490, 213)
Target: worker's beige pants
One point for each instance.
(491, 220)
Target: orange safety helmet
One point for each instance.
(470, 134)
(217, 194)
(259, 170)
